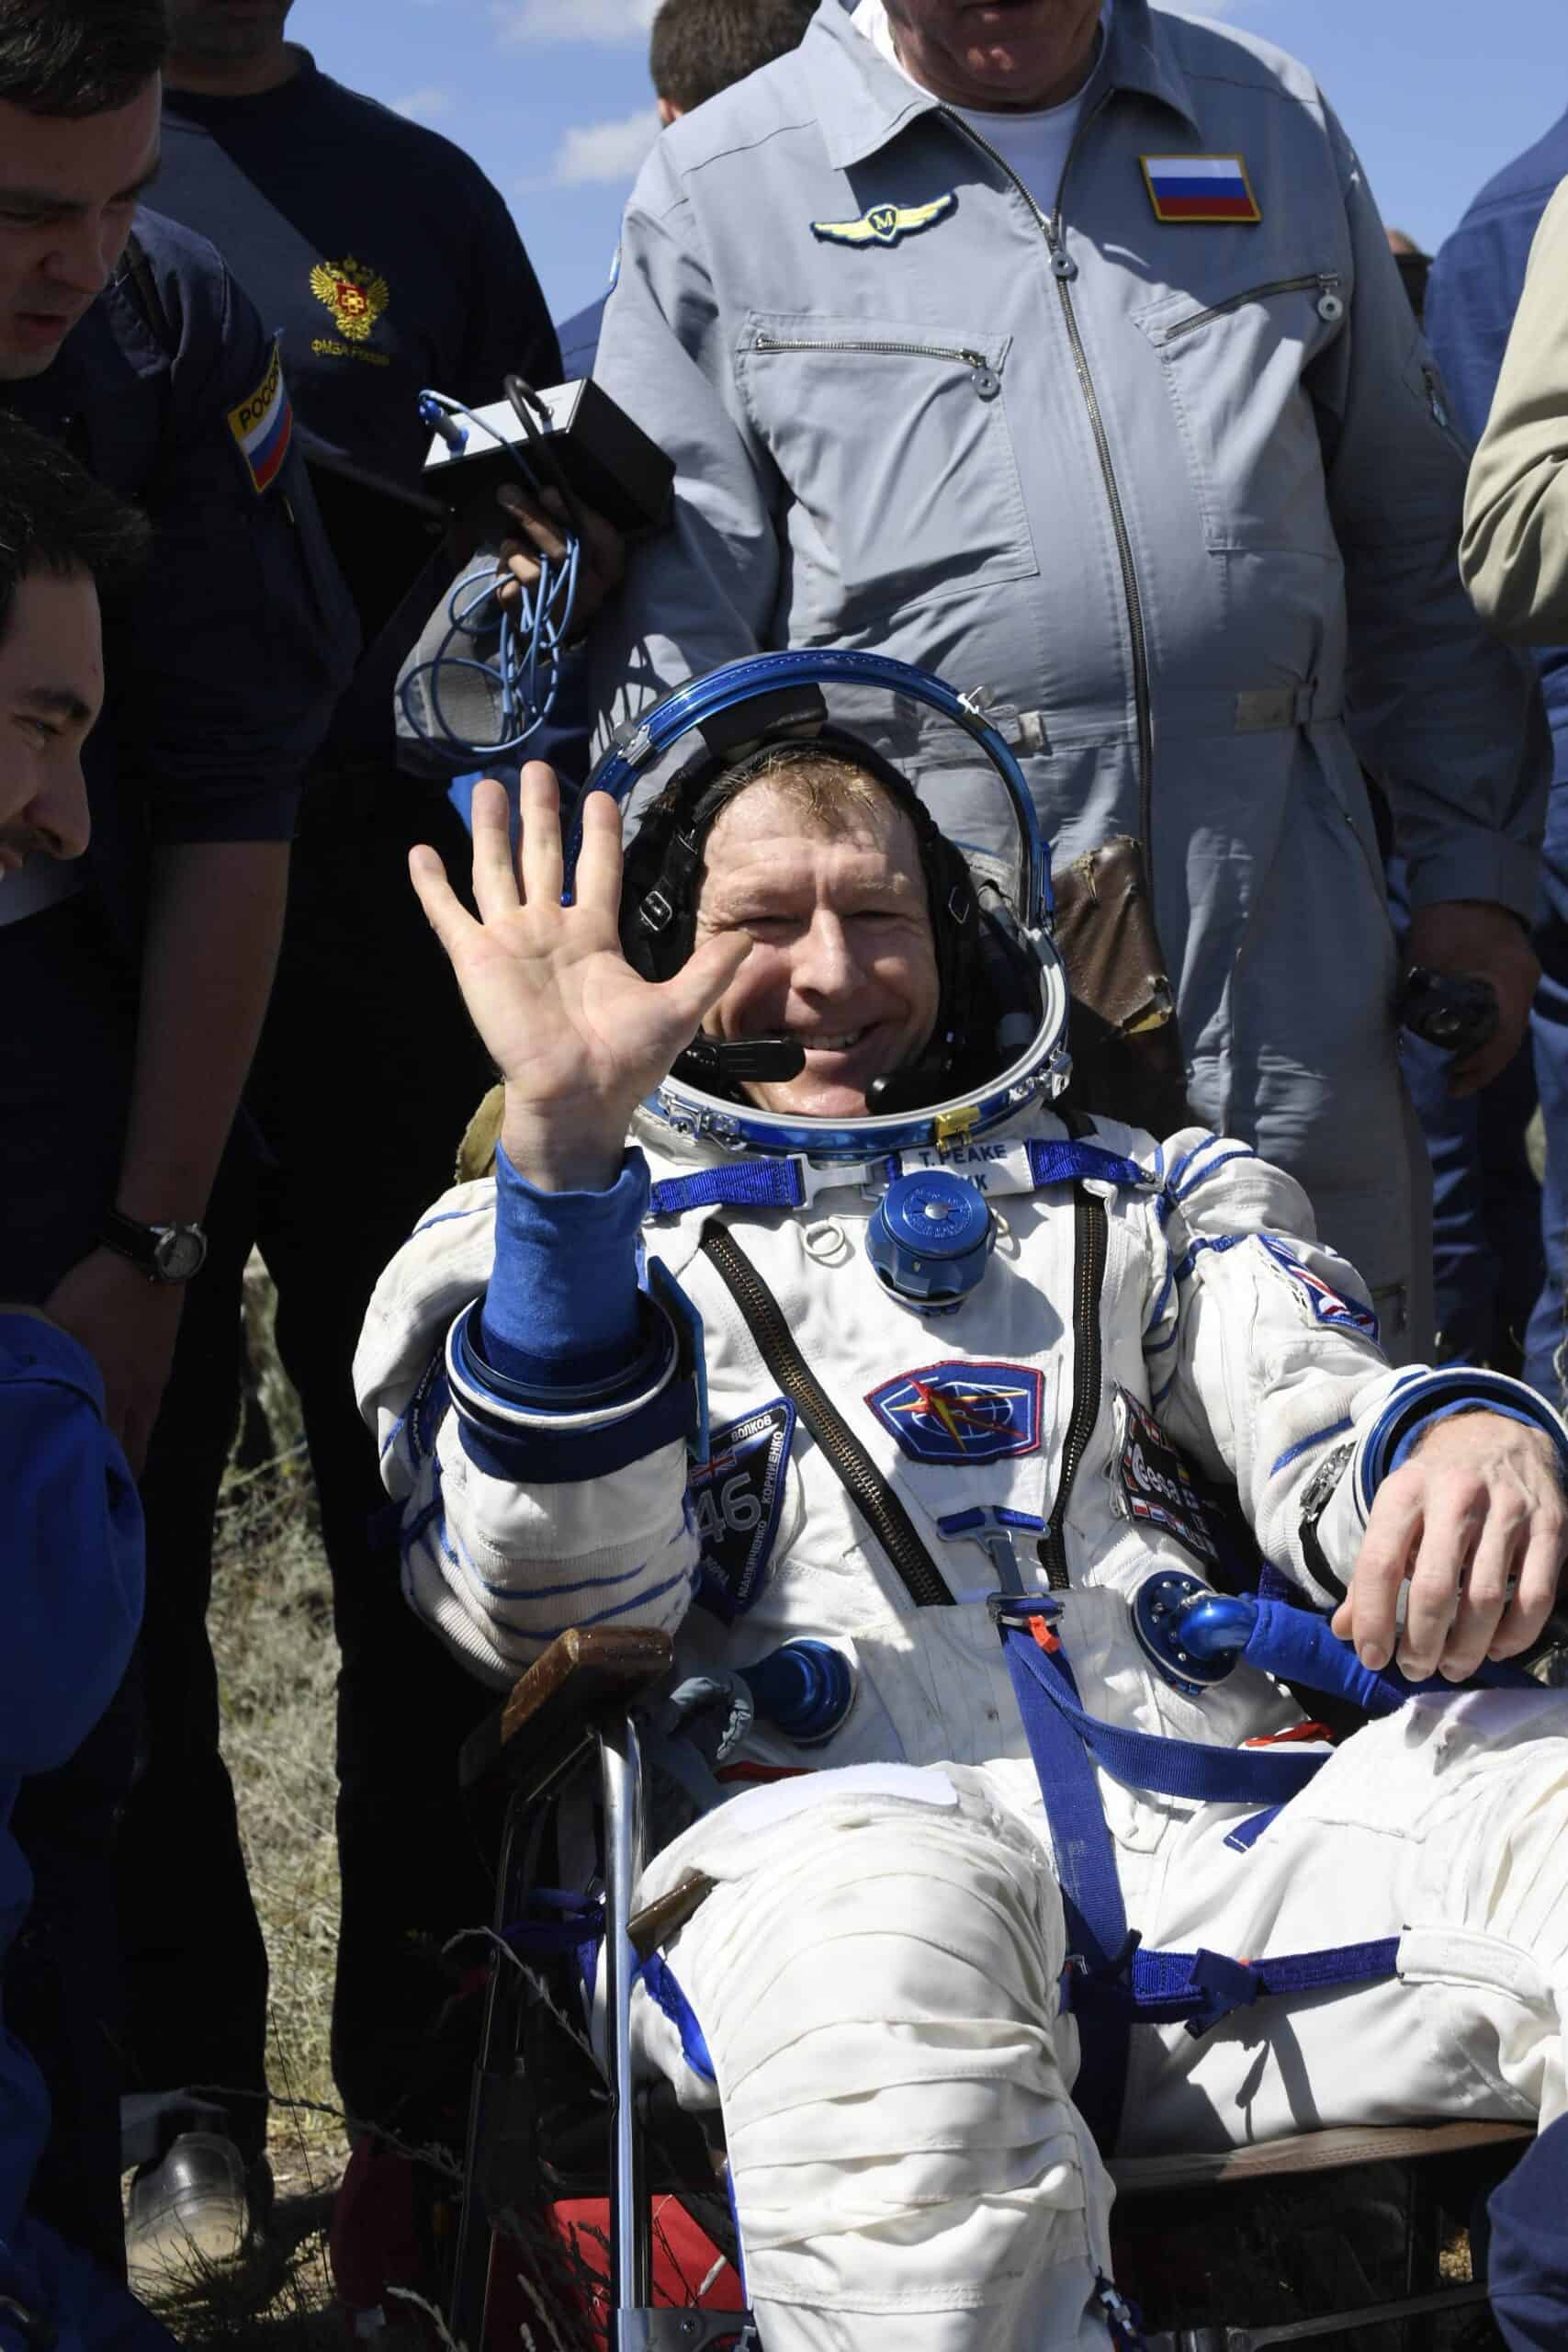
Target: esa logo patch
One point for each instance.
(961, 1413)
(1157, 1489)
(1326, 1305)
(737, 1496)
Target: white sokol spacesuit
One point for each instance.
(877, 1978)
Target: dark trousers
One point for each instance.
(1488, 1260)
(66, 1049)
(367, 1073)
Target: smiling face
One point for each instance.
(68, 194)
(995, 55)
(843, 957)
(51, 689)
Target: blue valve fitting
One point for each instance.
(805, 1689)
(452, 431)
(1216, 1625)
(1190, 1635)
(929, 1239)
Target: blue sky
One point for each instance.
(552, 97)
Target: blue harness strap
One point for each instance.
(1168, 1768)
(757, 1183)
(1098, 1943)
(1198, 1989)
(1110, 1985)
(738, 1183)
(1065, 1161)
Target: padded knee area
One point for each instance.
(876, 1981)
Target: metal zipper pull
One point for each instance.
(1330, 303)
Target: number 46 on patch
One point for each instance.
(737, 1496)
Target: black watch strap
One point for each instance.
(164, 1253)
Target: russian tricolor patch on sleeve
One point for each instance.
(1200, 188)
(263, 423)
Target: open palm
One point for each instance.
(578, 1036)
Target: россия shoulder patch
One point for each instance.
(263, 426)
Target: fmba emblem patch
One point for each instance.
(961, 1413)
(737, 1496)
(884, 224)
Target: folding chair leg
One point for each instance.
(620, 1783)
(494, 2071)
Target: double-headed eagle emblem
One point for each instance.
(884, 224)
(354, 292)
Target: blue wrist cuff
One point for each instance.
(1432, 1396)
(561, 1434)
(562, 1301)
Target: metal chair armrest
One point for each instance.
(588, 1675)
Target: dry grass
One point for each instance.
(272, 1635)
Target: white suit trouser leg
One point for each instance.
(1446, 1826)
(876, 1978)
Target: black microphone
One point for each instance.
(760, 1059)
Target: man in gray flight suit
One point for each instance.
(1060, 351)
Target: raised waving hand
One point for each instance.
(578, 1036)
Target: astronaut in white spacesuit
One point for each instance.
(903, 1392)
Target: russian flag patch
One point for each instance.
(1200, 188)
(263, 425)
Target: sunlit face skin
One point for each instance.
(843, 955)
(51, 689)
(68, 194)
(996, 54)
(225, 30)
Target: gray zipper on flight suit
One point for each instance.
(1063, 269)
(983, 376)
(1329, 305)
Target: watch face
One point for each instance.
(179, 1253)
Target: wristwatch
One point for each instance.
(164, 1253)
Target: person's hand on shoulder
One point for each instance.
(1476, 1520)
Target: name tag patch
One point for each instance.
(263, 426)
(961, 1413)
(737, 1496)
(1152, 1485)
(1200, 188)
(1324, 1303)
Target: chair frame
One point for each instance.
(579, 1700)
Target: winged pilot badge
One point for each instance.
(884, 224)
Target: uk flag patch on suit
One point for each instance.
(1319, 1298)
(961, 1413)
(1200, 188)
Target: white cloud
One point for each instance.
(429, 104)
(579, 20)
(605, 151)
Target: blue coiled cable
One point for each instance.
(530, 635)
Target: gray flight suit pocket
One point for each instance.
(894, 443)
(1233, 368)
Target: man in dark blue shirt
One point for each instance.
(695, 48)
(138, 979)
(386, 263)
(1473, 292)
